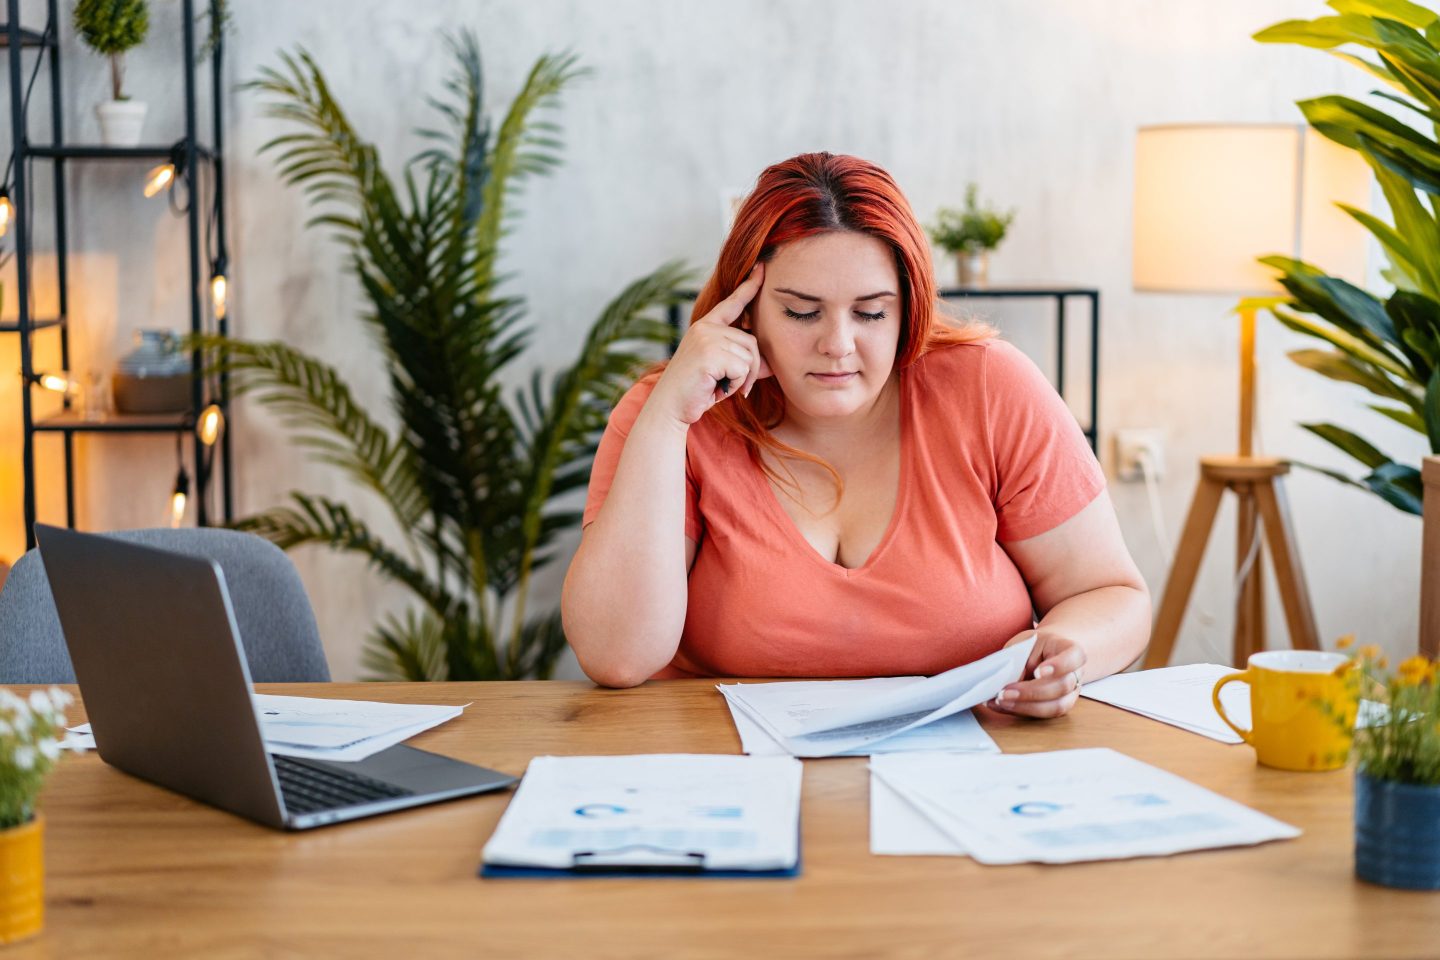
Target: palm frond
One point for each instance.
(316, 519)
(408, 649)
(311, 397)
(522, 148)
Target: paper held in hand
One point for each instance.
(832, 717)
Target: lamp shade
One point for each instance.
(1209, 199)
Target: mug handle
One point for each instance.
(1244, 677)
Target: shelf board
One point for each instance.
(9, 327)
(95, 151)
(73, 421)
(28, 38)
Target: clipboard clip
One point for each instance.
(641, 857)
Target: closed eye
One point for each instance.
(815, 313)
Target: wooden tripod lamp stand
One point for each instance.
(1209, 199)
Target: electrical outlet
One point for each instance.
(1131, 445)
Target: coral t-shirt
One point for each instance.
(989, 453)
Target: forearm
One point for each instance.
(624, 598)
(1111, 623)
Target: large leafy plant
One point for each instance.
(1388, 345)
(470, 481)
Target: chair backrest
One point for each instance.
(277, 626)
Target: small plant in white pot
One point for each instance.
(111, 27)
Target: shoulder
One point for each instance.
(957, 365)
(628, 407)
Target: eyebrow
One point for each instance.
(814, 299)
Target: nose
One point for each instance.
(836, 340)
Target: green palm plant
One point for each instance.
(1388, 345)
(471, 481)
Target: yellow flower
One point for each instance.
(1345, 642)
(1414, 671)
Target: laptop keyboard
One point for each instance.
(307, 789)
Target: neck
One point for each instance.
(828, 436)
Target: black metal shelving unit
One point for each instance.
(190, 153)
(1059, 294)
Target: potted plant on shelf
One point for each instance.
(111, 27)
(1397, 775)
(970, 235)
(30, 732)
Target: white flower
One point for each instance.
(25, 756)
(40, 702)
(60, 698)
(5, 728)
(50, 747)
(9, 702)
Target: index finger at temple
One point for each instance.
(732, 308)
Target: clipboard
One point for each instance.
(637, 860)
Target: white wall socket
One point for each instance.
(1132, 444)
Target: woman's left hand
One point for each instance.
(1050, 684)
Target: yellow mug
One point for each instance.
(1302, 708)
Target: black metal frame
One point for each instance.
(1058, 294)
(203, 392)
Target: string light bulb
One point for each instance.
(178, 498)
(163, 177)
(210, 425)
(53, 381)
(159, 178)
(219, 287)
(7, 211)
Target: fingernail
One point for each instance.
(1009, 694)
(1045, 671)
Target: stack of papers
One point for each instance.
(1061, 807)
(1180, 696)
(827, 718)
(662, 812)
(321, 729)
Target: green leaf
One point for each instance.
(1337, 365)
(1322, 32)
(1401, 11)
(1432, 411)
(1403, 416)
(1352, 444)
(1398, 485)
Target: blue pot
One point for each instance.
(1397, 833)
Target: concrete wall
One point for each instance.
(1038, 100)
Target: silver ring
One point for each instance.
(1076, 675)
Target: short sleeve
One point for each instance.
(607, 459)
(1045, 471)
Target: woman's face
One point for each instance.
(828, 322)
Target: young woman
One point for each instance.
(826, 480)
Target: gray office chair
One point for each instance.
(277, 626)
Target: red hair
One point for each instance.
(811, 194)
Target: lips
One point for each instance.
(841, 375)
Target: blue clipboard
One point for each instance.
(636, 861)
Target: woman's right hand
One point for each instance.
(715, 358)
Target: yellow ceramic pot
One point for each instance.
(22, 880)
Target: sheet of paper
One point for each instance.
(1070, 805)
(287, 722)
(319, 722)
(899, 829)
(959, 732)
(1180, 696)
(819, 718)
(737, 813)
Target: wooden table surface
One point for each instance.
(134, 870)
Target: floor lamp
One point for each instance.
(1209, 199)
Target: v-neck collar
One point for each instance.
(797, 539)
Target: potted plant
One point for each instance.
(1388, 344)
(111, 27)
(1397, 774)
(970, 235)
(30, 732)
(474, 481)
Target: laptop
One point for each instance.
(158, 658)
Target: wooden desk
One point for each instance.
(134, 870)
